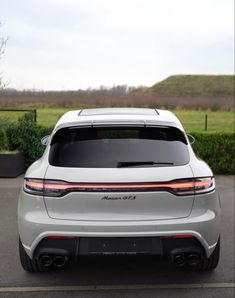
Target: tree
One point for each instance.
(3, 42)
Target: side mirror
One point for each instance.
(191, 139)
(45, 140)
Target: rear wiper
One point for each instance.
(122, 164)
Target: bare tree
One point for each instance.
(3, 42)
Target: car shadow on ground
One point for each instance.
(121, 271)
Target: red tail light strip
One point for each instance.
(57, 186)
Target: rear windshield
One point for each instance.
(111, 147)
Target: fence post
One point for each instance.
(206, 121)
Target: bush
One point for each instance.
(3, 136)
(217, 150)
(26, 136)
(3, 140)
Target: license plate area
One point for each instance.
(120, 246)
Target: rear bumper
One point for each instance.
(205, 228)
(72, 248)
(35, 224)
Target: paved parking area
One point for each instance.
(113, 277)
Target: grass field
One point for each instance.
(193, 121)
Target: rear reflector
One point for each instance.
(176, 237)
(62, 237)
(180, 187)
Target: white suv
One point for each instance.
(118, 181)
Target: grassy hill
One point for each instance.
(214, 92)
(204, 85)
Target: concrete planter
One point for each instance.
(11, 164)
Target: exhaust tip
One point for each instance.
(60, 261)
(46, 260)
(179, 260)
(193, 259)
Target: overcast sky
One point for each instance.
(73, 44)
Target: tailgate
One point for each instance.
(118, 205)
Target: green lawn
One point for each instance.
(193, 121)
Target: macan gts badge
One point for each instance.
(119, 181)
(119, 198)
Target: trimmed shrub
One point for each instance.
(217, 150)
(3, 140)
(26, 136)
(3, 136)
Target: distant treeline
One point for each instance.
(189, 92)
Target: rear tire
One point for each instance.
(208, 264)
(28, 264)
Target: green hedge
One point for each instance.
(26, 136)
(216, 149)
(4, 145)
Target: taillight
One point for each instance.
(34, 186)
(56, 188)
(49, 188)
(195, 186)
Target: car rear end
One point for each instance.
(119, 188)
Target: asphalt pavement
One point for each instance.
(114, 277)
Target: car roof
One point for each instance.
(118, 111)
(119, 115)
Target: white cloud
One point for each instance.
(71, 44)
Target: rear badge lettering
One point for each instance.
(124, 198)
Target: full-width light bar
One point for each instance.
(59, 188)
